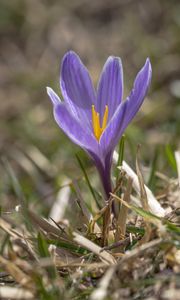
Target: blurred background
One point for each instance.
(34, 35)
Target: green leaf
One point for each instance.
(170, 156)
(135, 230)
(151, 181)
(69, 246)
(145, 214)
(42, 246)
(172, 227)
(44, 252)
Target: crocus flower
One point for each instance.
(96, 120)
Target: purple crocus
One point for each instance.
(96, 120)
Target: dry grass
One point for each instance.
(48, 259)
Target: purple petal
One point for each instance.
(127, 110)
(53, 96)
(114, 130)
(73, 129)
(139, 91)
(110, 87)
(77, 88)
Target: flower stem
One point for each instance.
(105, 176)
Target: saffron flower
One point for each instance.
(96, 120)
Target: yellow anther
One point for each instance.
(105, 118)
(98, 130)
(95, 121)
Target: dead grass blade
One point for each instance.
(121, 221)
(143, 194)
(154, 205)
(8, 228)
(89, 267)
(144, 202)
(18, 238)
(7, 292)
(19, 276)
(59, 207)
(148, 216)
(88, 218)
(26, 246)
(101, 292)
(103, 255)
(40, 160)
(139, 250)
(45, 225)
(106, 223)
(121, 243)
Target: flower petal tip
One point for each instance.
(53, 96)
(70, 52)
(114, 59)
(148, 65)
(69, 56)
(144, 76)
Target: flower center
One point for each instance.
(98, 129)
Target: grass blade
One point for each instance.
(120, 156)
(87, 179)
(170, 156)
